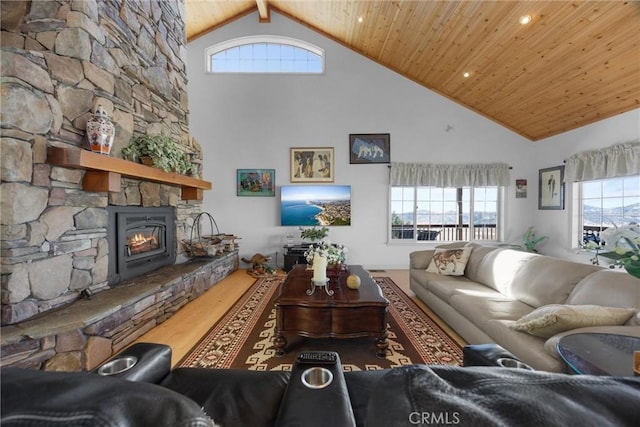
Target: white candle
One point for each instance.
(319, 268)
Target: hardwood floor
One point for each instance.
(183, 330)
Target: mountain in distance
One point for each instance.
(612, 216)
(591, 216)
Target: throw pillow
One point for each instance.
(548, 320)
(449, 262)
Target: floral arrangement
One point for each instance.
(335, 254)
(623, 248)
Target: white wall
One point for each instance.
(251, 121)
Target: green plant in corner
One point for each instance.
(163, 151)
(530, 240)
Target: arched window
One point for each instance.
(265, 54)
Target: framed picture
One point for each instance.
(312, 164)
(256, 182)
(521, 188)
(551, 188)
(369, 148)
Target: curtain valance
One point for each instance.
(443, 175)
(610, 162)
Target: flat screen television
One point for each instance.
(309, 205)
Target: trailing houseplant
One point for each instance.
(313, 233)
(164, 153)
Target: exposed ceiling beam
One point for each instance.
(263, 10)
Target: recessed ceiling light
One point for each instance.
(466, 74)
(360, 19)
(525, 19)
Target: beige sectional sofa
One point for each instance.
(501, 285)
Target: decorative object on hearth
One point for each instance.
(210, 245)
(259, 267)
(100, 132)
(623, 245)
(160, 152)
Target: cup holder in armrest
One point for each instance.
(316, 377)
(317, 394)
(507, 362)
(118, 365)
(142, 362)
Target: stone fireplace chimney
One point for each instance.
(60, 60)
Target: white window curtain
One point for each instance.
(442, 175)
(611, 162)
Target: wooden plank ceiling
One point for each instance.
(575, 63)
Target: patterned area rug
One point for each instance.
(243, 338)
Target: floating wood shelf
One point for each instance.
(103, 173)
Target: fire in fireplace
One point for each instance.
(141, 239)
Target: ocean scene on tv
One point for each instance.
(308, 205)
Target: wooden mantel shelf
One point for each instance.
(104, 172)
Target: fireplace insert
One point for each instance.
(141, 239)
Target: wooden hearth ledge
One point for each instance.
(103, 173)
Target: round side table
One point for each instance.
(599, 354)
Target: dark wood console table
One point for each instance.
(348, 313)
(294, 254)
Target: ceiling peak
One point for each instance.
(263, 10)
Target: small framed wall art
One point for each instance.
(312, 164)
(369, 148)
(256, 182)
(551, 188)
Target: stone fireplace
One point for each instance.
(141, 239)
(60, 60)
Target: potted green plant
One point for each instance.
(314, 233)
(531, 240)
(162, 151)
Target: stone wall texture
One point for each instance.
(60, 60)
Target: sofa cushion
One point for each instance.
(420, 259)
(446, 286)
(499, 267)
(449, 262)
(479, 309)
(545, 280)
(607, 287)
(475, 259)
(551, 319)
(528, 348)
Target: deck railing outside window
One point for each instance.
(443, 232)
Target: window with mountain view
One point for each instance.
(608, 203)
(265, 54)
(445, 214)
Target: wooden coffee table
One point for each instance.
(348, 313)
